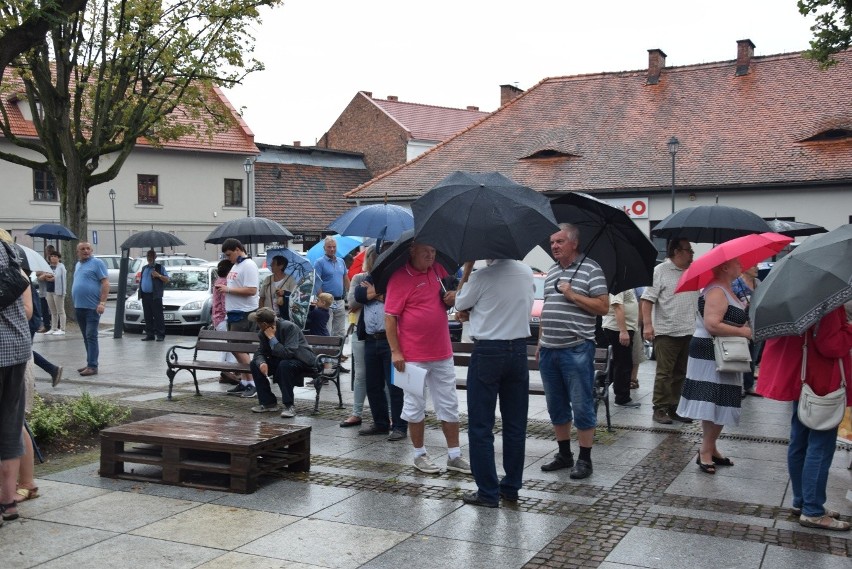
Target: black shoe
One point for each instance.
(343, 369)
(237, 390)
(629, 404)
(508, 497)
(373, 430)
(583, 469)
(559, 462)
(474, 499)
(148, 339)
(676, 417)
(161, 338)
(396, 435)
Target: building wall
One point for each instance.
(191, 199)
(364, 128)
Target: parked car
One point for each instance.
(113, 264)
(134, 273)
(187, 300)
(538, 303)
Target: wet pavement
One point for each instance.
(364, 505)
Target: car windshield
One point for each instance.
(189, 280)
(539, 287)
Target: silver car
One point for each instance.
(187, 300)
(113, 264)
(134, 272)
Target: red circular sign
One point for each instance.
(638, 207)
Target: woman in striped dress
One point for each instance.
(711, 396)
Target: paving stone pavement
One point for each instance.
(363, 505)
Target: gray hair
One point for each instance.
(571, 230)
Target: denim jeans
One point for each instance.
(568, 376)
(88, 320)
(284, 372)
(808, 460)
(498, 368)
(377, 358)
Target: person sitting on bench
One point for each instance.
(283, 353)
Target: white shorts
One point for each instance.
(441, 381)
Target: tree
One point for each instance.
(117, 71)
(29, 28)
(832, 31)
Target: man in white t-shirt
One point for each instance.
(241, 298)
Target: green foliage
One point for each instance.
(48, 422)
(832, 31)
(92, 414)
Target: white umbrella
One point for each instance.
(37, 262)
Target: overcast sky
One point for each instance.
(454, 53)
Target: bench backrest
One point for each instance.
(218, 341)
(463, 350)
(326, 345)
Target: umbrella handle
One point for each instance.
(468, 268)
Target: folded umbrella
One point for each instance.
(382, 221)
(804, 286)
(470, 216)
(610, 238)
(397, 255)
(710, 224)
(748, 249)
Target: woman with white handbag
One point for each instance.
(812, 371)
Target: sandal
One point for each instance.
(708, 468)
(823, 522)
(9, 506)
(25, 494)
(722, 461)
(634, 384)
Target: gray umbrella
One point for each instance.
(804, 286)
(151, 239)
(795, 228)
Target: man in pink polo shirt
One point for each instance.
(417, 332)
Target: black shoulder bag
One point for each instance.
(12, 281)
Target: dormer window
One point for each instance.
(549, 154)
(831, 135)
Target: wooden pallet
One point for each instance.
(204, 451)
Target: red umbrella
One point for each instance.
(749, 249)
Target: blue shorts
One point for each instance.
(568, 375)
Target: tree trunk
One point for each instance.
(74, 214)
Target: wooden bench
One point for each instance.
(328, 350)
(462, 352)
(204, 452)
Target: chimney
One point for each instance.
(508, 92)
(297, 143)
(745, 51)
(656, 63)
(472, 108)
(393, 98)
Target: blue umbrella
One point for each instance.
(344, 246)
(297, 265)
(382, 221)
(52, 231)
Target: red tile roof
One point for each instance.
(427, 122)
(304, 197)
(612, 129)
(236, 138)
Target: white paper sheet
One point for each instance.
(412, 379)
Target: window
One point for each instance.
(146, 189)
(233, 193)
(44, 186)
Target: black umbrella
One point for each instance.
(804, 286)
(152, 238)
(396, 256)
(710, 224)
(250, 230)
(472, 216)
(795, 228)
(52, 231)
(609, 237)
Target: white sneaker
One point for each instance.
(59, 333)
(424, 463)
(48, 333)
(288, 412)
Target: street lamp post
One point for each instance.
(673, 144)
(247, 166)
(114, 232)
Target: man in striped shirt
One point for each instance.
(575, 293)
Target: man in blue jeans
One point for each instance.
(575, 292)
(499, 299)
(89, 293)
